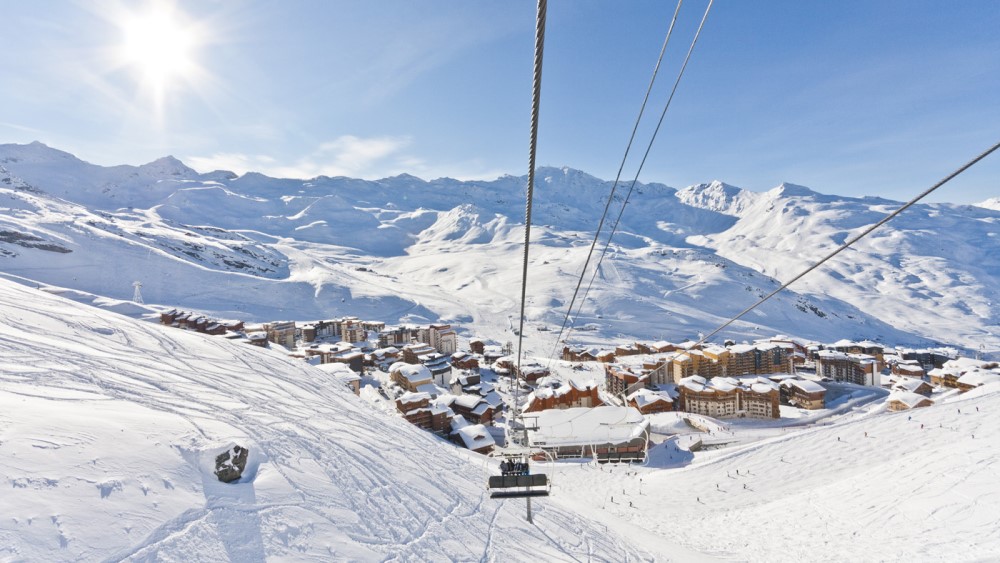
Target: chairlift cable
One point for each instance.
(614, 186)
(536, 91)
(848, 244)
(649, 147)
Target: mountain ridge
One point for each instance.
(682, 262)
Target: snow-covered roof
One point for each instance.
(804, 385)
(908, 384)
(467, 401)
(411, 372)
(475, 436)
(979, 377)
(429, 388)
(644, 397)
(907, 398)
(596, 425)
(409, 398)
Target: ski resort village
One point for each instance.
(350, 282)
(616, 398)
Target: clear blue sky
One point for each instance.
(848, 97)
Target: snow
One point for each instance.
(109, 428)
(579, 425)
(404, 250)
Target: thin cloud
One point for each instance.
(355, 157)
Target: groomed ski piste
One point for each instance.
(109, 427)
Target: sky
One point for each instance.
(851, 98)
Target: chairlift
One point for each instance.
(515, 479)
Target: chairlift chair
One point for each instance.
(516, 479)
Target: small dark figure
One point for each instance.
(744, 485)
(866, 434)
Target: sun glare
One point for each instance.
(160, 46)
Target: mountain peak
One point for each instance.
(168, 165)
(716, 196)
(992, 203)
(793, 190)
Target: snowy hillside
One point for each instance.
(406, 249)
(109, 428)
(992, 203)
(878, 486)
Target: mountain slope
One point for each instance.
(110, 426)
(403, 249)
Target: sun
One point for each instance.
(159, 45)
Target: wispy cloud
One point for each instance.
(369, 158)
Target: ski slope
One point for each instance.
(109, 427)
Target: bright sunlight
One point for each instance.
(160, 45)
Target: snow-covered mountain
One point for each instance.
(405, 249)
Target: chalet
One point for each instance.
(410, 376)
(607, 434)
(258, 338)
(605, 356)
(168, 317)
(564, 396)
(384, 357)
(419, 411)
(578, 354)
(627, 350)
(975, 378)
(493, 352)
(904, 400)
(803, 394)
(465, 382)
(529, 373)
(477, 346)
(464, 361)
(475, 437)
(907, 368)
(913, 385)
(474, 408)
(944, 377)
(648, 401)
(664, 346)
